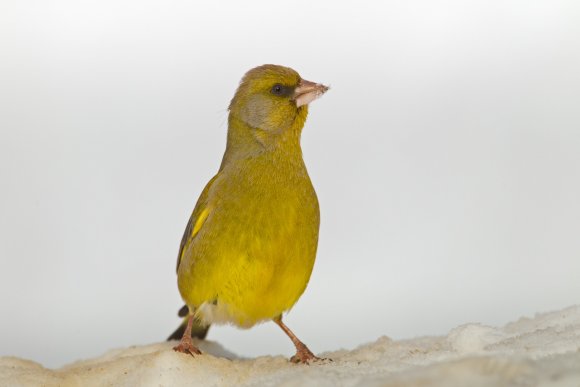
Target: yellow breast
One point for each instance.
(254, 248)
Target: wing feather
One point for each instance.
(196, 220)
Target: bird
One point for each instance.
(248, 250)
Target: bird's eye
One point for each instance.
(281, 90)
(277, 89)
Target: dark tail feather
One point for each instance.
(198, 331)
(184, 311)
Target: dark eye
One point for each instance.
(281, 90)
(277, 89)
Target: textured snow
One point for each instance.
(539, 351)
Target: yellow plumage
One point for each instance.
(250, 245)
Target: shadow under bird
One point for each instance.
(248, 250)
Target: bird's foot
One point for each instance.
(305, 356)
(187, 347)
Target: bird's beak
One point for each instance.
(307, 92)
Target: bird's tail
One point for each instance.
(198, 331)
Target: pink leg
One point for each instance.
(303, 354)
(186, 344)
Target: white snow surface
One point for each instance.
(539, 351)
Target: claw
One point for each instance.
(304, 356)
(186, 344)
(187, 347)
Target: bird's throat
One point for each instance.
(246, 141)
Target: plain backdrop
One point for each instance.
(446, 158)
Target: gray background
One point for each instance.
(446, 159)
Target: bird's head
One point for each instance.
(272, 99)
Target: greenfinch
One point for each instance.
(248, 250)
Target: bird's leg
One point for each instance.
(303, 354)
(186, 343)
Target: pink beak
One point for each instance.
(307, 92)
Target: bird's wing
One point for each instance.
(196, 220)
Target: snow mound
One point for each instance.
(539, 351)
